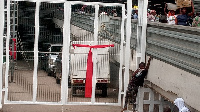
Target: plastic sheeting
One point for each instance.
(179, 102)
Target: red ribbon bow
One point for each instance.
(89, 72)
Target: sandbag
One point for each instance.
(183, 3)
(171, 6)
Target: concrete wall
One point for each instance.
(172, 79)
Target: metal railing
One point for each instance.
(84, 21)
(196, 5)
(176, 45)
(112, 29)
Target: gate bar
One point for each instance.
(7, 50)
(37, 31)
(59, 103)
(64, 95)
(141, 41)
(95, 3)
(1, 46)
(94, 57)
(121, 54)
(144, 29)
(65, 52)
(74, 2)
(127, 49)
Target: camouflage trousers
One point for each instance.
(131, 94)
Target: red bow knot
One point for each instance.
(89, 71)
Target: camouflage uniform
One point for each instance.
(133, 85)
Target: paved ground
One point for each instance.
(19, 92)
(50, 108)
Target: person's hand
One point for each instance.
(137, 70)
(165, 5)
(151, 57)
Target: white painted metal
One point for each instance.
(144, 28)
(141, 31)
(37, 30)
(141, 43)
(65, 52)
(121, 54)
(94, 56)
(88, 3)
(7, 51)
(1, 47)
(50, 1)
(127, 49)
(140, 99)
(13, 19)
(161, 103)
(119, 99)
(59, 103)
(151, 99)
(74, 2)
(95, 3)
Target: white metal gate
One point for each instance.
(34, 86)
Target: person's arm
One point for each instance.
(135, 72)
(165, 9)
(176, 21)
(192, 13)
(148, 63)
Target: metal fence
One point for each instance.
(109, 30)
(27, 80)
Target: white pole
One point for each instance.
(127, 49)
(161, 103)
(94, 57)
(37, 31)
(1, 46)
(65, 52)
(151, 105)
(13, 18)
(144, 29)
(141, 41)
(139, 33)
(140, 98)
(7, 50)
(121, 54)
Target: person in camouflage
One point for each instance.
(136, 81)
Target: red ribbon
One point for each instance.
(13, 50)
(89, 72)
